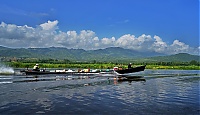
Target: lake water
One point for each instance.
(154, 92)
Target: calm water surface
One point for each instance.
(156, 92)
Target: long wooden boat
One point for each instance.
(31, 72)
(119, 72)
(131, 70)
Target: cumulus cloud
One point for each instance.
(48, 35)
(49, 25)
(178, 46)
(159, 45)
(24, 36)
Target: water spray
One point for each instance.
(5, 69)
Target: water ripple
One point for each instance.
(158, 92)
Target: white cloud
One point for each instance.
(159, 45)
(178, 46)
(48, 34)
(142, 43)
(108, 41)
(126, 40)
(23, 36)
(49, 25)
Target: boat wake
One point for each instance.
(6, 70)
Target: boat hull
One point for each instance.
(42, 73)
(28, 72)
(119, 72)
(131, 70)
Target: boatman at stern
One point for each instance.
(129, 65)
(36, 67)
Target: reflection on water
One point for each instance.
(151, 92)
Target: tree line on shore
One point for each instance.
(54, 63)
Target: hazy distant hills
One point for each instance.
(181, 57)
(108, 54)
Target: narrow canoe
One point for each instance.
(31, 72)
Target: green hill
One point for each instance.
(107, 54)
(181, 57)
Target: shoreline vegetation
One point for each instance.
(102, 65)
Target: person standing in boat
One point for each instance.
(129, 65)
(36, 67)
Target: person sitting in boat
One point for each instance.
(36, 67)
(120, 67)
(129, 65)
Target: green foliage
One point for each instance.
(102, 58)
(193, 62)
(100, 65)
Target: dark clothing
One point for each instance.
(129, 66)
(36, 68)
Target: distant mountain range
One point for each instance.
(107, 54)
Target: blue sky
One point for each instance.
(104, 23)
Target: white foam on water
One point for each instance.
(6, 70)
(5, 82)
